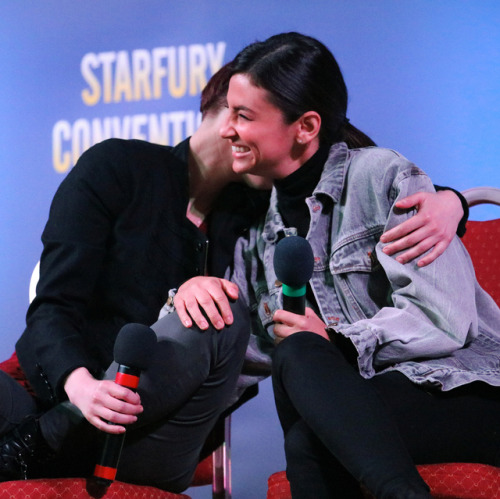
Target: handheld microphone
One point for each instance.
(293, 265)
(133, 349)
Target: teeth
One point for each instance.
(238, 149)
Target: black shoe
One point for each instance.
(19, 448)
(410, 492)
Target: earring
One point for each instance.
(299, 140)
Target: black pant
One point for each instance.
(342, 430)
(190, 381)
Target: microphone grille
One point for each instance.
(293, 261)
(135, 345)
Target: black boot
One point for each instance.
(409, 491)
(21, 447)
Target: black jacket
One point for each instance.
(117, 239)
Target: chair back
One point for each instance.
(482, 240)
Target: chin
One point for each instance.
(241, 168)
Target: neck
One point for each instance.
(300, 154)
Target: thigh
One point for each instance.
(185, 358)
(460, 425)
(191, 381)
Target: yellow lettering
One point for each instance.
(70, 140)
(139, 121)
(101, 129)
(91, 95)
(216, 55)
(159, 70)
(177, 90)
(80, 140)
(123, 80)
(158, 129)
(176, 119)
(107, 59)
(197, 69)
(141, 67)
(61, 132)
(190, 123)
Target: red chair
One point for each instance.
(455, 480)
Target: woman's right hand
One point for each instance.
(208, 294)
(104, 403)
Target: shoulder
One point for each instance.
(376, 158)
(124, 160)
(380, 165)
(115, 171)
(112, 151)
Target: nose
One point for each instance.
(227, 130)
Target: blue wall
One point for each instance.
(423, 76)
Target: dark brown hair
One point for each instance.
(214, 95)
(301, 75)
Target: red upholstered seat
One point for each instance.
(75, 488)
(462, 480)
(447, 481)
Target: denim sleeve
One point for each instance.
(431, 310)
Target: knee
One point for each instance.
(232, 340)
(240, 328)
(240, 311)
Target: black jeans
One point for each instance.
(342, 430)
(191, 380)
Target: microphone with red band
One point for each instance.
(134, 346)
(293, 266)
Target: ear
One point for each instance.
(308, 127)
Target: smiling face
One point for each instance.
(262, 143)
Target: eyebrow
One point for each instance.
(241, 108)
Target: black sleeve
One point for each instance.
(75, 240)
(461, 226)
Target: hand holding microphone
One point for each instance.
(293, 265)
(133, 349)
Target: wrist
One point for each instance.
(75, 380)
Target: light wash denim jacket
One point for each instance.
(434, 324)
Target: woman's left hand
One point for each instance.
(434, 226)
(287, 323)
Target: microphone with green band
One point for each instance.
(293, 265)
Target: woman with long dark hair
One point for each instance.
(392, 364)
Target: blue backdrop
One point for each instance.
(423, 78)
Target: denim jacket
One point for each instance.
(434, 324)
